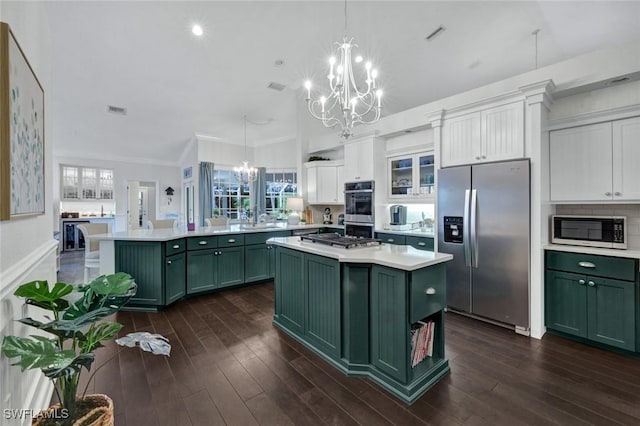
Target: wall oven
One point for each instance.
(590, 231)
(359, 209)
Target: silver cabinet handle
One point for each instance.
(430, 290)
(390, 240)
(617, 193)
(608, 194)
(422, 244)
(231, 240)
(581, 282)
(477, 158)
(357, 177)
(176, 246)
(591, 284)
(484, 156)
(586, 264)
(168, 262)
(202, 243)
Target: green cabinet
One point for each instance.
(291, 294)
(322, 282)
(258, 262)
(421, 243)
(212, 268)
(598, 308)
(175, 277)
(391, 238)
(388, 307)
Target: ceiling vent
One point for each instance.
(116, 110)
(276, 86)
(619, 80)
(435, 33)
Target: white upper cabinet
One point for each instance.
(581, 163)
(597, 162)
(626, 154)
(493, 134)
(412, 176)
(361, 157)
(325, 184)
(86, 183)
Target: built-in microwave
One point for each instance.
(590, 231)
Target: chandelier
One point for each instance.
(346, 104)
(244, 173)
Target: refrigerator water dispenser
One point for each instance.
(453, 229)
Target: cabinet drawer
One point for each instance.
(391, 238)
(589, 264)
(200, 243)
(421, 243)
(174, 247)
(231, 240)
(428, 292)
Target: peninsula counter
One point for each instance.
(364, 310)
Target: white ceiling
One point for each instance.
(142, 56)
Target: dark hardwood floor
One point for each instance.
(229, 365)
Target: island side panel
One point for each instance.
(290, 290)
(355, 315)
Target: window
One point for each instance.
(280, 186)
(230, 198)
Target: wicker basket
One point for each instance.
(104, 410)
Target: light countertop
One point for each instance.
(632, 253)
(394, 256)
(172, 234)
(409, 232)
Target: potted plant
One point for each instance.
(76, 323)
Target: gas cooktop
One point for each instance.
(338, 240)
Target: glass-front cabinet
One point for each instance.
(412, 176)
(86, 183)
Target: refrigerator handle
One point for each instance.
(474, 231)
(466, 229)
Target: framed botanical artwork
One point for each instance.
(21, 132)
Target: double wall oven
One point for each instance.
(359, 209)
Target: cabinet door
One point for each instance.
(258, 265)
(581, 163)
(230, 266)
(143, 261)
(421, 243)
(503, 132)
(566, 303)
(312, 184)
(175, 277)
(323, 303)
(290, 289)
(425, 175)
(611, 312)
(340, 184)
(401, 171)
(626, 151)
(327, 184)
(391, 238)
(461, 137)
(201, 270)
(358, 156)
(389, 322)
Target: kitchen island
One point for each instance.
(369, 311)
(170, 264)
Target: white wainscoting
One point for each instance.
(29, 389)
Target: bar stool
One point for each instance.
(91, 246)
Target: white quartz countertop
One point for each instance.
(632, 254)
(172, 234)
(394, 256)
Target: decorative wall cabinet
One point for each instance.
(86, 183)
(325, 182)
(412, 176)
(596, 162)
(493, 134)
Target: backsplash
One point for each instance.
(631, 211)
(89, 208)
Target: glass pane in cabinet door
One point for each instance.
(401, 176)
(427, 174)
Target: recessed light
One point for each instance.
(197, 30)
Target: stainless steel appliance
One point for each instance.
(397, 215)
(484, 221)
(72, 238)
(590, 231)
(337, 240)
(359, 209)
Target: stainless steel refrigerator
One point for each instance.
(484, 222)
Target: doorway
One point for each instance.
(189, 201)
(141, 203)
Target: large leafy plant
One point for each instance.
(77, 328)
